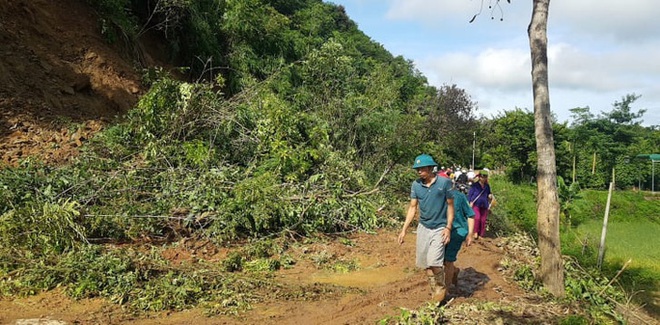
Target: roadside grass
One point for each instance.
(515, 207)
(637, 241)
(624, 241)
(633, 225)
(634, 222)
(625, 206)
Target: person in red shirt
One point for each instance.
(443, 173)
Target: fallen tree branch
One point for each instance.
(616, 276)
(375, 188)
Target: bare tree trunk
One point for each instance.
(552, 270)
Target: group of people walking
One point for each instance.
(450, 212)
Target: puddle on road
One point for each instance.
(39, 321)
(365, 278)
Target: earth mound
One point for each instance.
(60, 79)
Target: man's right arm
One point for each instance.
(412, 210)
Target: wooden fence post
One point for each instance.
(601, 248)
(593, 165)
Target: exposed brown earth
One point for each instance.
(56, 72)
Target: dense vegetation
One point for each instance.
(289, 121)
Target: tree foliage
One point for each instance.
(610, 141)
(597, 144)
(451, 123)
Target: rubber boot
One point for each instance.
(432, 284)
(440, 290)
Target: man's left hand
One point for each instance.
(447, 235)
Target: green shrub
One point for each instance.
(589, 285)
(116, 19)
(574, 320)
(52, 228)
(233, 262)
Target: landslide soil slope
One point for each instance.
(60, 80)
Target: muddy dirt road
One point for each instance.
(384, 282)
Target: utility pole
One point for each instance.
(593, 165)
(474, 143)
(574, 158)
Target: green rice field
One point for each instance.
(639, 241)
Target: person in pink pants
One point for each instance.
(479, 197)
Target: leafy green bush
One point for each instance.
(142, 281)
(428, 315)
(574, 320)
(52, 228)
(171, 111)
(302, 128)
(525, 278)
(593, 288)
(567, 195)
(233, 262)
(116, 19)
(31, 182)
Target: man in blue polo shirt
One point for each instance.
(433, 197)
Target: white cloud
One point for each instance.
(501, 69)
(571, 67)
(497, 79)
(623, 21)
(605, 70)
(500, 79)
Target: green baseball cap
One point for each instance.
(424, 160)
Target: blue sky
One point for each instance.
(598, 50)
